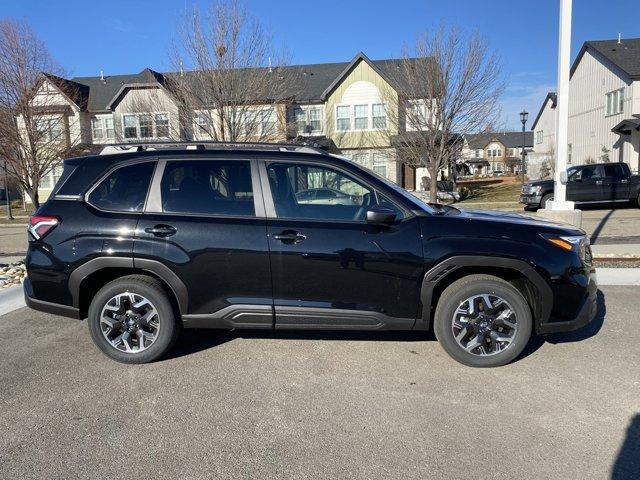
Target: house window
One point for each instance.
(361, 117)
(97, 129)
(145, 125)
(308, 120)
(539, 136)
(102, 128)
(380, 164)
(201, 125)
(343, 118)
(49, 129)
(379, 116)
(615, 102)
(315, 119)
(268, 122)
(130, 123)
(162, 125)
(478, 154)
(569, 153)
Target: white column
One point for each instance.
(562, 110)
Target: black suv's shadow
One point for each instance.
(195, 340)
(585, 332)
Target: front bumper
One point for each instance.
(530, 199)
(585, 315)
(47, 307)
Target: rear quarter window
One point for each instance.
(123, 190)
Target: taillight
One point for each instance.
(40, 225)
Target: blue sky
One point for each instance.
(123, 36)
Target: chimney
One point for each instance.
(181, 69)
(102, 76)
(619, 39)
(270, 68)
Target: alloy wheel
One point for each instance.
(129, 322)
(484, 325)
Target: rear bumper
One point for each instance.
(586, 314)
(530, 199)
(47, 307)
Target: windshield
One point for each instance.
(396, 188)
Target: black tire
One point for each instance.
(170, 324)
(453, 297)
(546, 198)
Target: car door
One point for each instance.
(585, 184)
(330, 268)
(205, 223)
(615, 183)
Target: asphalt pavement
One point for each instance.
(321, 405)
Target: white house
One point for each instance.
(604, 106)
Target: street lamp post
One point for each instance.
(524, 115)
(6, 191)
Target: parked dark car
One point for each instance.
(588, 184)
(147, 242)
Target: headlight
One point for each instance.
(572, 243)
(531, 190)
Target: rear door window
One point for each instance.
(124, 189)
(215, 187)
(614, 171)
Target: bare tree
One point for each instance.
(229, 83)
(446, 87)
(34, 124)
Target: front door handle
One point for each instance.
(161, 230)
(598, 182)
(290, 236)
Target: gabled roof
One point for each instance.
(508, 139)
(313, 81)
(624, 55)
(75, 92)
(625, 127)
(554, 101)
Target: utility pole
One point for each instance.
(559, 208)
(524, 115)
(562, 110)
(6, 191)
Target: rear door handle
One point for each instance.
(290, 236)
(161, 230)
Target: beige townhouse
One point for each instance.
(350, 108)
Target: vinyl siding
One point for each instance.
(589, 126)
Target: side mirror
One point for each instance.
(563, 178)
(380, 216)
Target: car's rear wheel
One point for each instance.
(545, 199)
(482, 321)
(132, 321)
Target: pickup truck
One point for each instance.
(587, 184)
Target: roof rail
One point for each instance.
(126, 147)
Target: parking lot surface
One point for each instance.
(320, 405)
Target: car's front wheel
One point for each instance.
(132, 321)
(482, 321)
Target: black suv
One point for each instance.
(146, 242)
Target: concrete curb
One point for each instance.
(11, 298)
(618, 276)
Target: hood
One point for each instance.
(543, 183)
(539, 223)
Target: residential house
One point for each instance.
(604, 105)
(495, 152)
(540, 161)
(344, 107)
